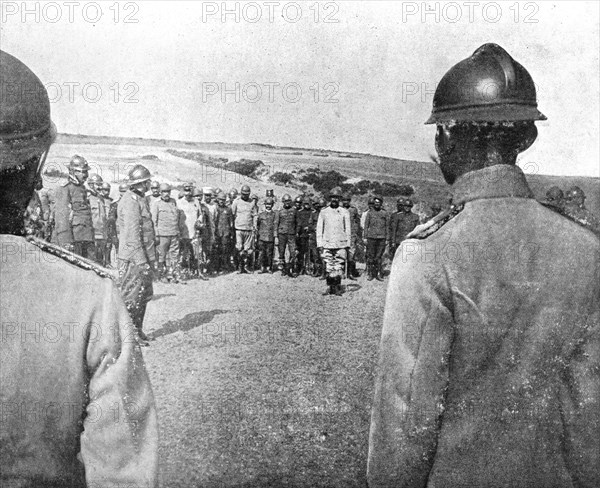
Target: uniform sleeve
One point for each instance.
(320, 230)
(276, 223)
(412, 374)
(119, 443)
(62, 211)
(348, 227)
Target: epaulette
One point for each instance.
(436, 223)
(70, 257)
(582, 222)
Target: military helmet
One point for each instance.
(269, 193)
(377, 197)
(78, 163)
(123, 187)
(298, 199)
(155, 184)
(405, 201)
(269, 201)
(188, 185)
(196, 192)
(26, 129)
(207, 190)
(575, 191)
(489, 86)
(105, 186)
(138, 174)
(346, 196)
(233, 192)
(245, 190)
(335, 192)
(286, 198)
(306, 200)
(94, 179)
(554, 194)
(254, 196)
(165, 187)
(322, 202)
(221, 197)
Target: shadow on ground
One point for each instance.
(190, 321)
(162, 295)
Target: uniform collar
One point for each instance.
(499, 181)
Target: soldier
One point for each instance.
(98, 207)
(232, 195)
(154, 195)
(244, 214)
(112, 221)
(54, 382)
(224, 234)
(191, 245)
(266, 234)
(363, 216)
(302, 242)
(286, 227)
(108, 201)
(576, 210)
(377, 233)
(298, 203)
(137, 253)
(402, 223)
(333, 240)
(315, 256)
(167, 225)
(351, 271)
(489, 373)
(73, 226)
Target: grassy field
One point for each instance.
(260, 381)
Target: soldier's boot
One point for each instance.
(243, 261)
(370, 271)
(379, 271)
(161, 273)
(338, 286)
(330, 287)
(349, 274)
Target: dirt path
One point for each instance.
(262, 381)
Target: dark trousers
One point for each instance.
(289, 241)
(303, 255)
(222, 250)
(266, 249)
(135, 283)
(101, 251)
(87, 249)
(375, 250)
(188, 257)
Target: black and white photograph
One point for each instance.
(304, 244)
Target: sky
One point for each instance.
(348, 76)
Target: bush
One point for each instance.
(246, 167)
(281, 178)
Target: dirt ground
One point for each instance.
(262, 381)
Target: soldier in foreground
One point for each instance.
(137, 251)
(286, 227)
(65, 366)
(489, 369)
(73, 226)
(333, 241)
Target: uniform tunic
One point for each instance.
(401, 224)
(72, 378)
(489, 368)
(72, 215)
(97, 207)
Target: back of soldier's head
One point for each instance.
(26, 133)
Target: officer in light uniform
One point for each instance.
(73, 226)
(244, 214)
(489, 365)
(137, 252)
(334, 235)
(70, 373)
(167, 226)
